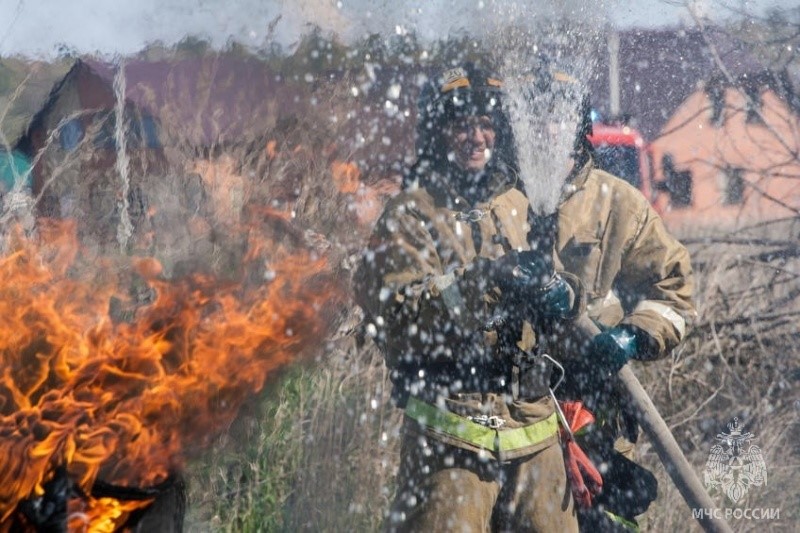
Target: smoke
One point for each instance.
(122, 162)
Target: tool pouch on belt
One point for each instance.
(584, 478)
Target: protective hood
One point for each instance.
(457, 93)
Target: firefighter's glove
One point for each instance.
(512, 272)
(537, 288)
(614, 347)
(531, 269)
(555, 300)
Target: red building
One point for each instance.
(738, 148)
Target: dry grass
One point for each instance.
(740, 360)
(193, 211)
(318, 450)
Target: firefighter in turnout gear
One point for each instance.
(453, 291)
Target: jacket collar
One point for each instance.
(440, 185)
(443, 187)
(577, 179)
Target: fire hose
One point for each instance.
(542, 238)
(667, 448)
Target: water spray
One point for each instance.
(545, 107)
(125, 227)
(544, 121)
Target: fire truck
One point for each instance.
(622, 151)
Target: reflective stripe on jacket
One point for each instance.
(413, 281)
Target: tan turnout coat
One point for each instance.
(411, 282)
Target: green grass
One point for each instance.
(314, 453)
(244, 482)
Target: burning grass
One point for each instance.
(118, 374)
(319, 452)
(120, 369)
(122, 373)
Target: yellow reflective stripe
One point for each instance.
(502, 440)
(460, 82)
(632, 526)
(512, 439)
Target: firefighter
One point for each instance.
(453, 289)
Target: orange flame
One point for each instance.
(345, 176)
(120, 388)
(271, 149)
(100, 515)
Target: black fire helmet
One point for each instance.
(461, 92)
(545, 77)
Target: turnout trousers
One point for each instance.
(445, 488)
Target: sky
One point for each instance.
(109, 27)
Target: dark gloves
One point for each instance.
(534, 285)
(555, 300)
(529, 268)
(614, 347)
(513, 270)
(530, 288)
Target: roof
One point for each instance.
(659, 69)
(201, 101)
(210, 100)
